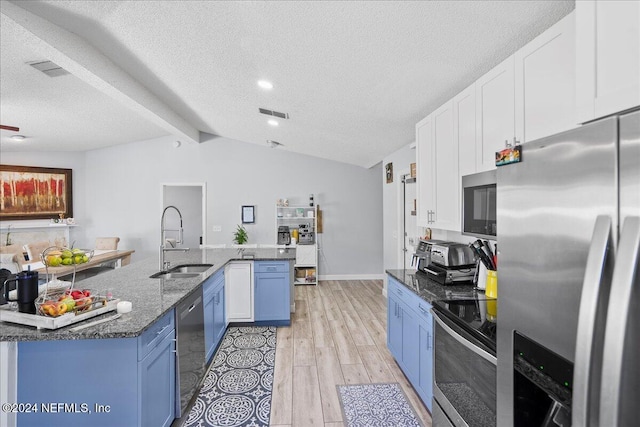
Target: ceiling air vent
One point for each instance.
(273, 113)
(49, 68)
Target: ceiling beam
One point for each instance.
(84, 61)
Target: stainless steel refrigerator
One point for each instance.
(568, 218)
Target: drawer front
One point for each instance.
(213, 283)
(421, 307)
(400, 292)
(155, 334)
(413, 301)
(271, 267)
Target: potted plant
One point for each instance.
(8, 241)
(240, 236)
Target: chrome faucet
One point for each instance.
(164, 265)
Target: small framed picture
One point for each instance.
(248, 214)
(389, 172)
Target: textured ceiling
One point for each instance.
(354, 76)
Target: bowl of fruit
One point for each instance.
(57, 256)
(59, 302)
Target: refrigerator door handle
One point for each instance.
(625, 296)
(591, 318)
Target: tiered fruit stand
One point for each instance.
(60, 304)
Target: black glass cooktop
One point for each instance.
(477, 317)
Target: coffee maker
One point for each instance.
(284, 236)
(422, 257)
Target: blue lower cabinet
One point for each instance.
(410, 337)
(394, 327)
(209, 333)
(425, 380)
(410, 351)
(272, 292)
(157, 380)
(219, 318)
(100, 382)
(214, 312)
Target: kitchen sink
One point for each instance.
(182, 271)
(170, 275)
(191, 268)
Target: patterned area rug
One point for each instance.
(237, 388)
(366, 405)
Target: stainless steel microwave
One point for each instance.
(479, 205)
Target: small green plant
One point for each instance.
(240, 236)
(8, 241)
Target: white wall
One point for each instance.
(118, 192)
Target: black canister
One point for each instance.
(4, 276)
(27, 287)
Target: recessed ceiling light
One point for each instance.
(265, 84)
(273, 122)
(17, 137)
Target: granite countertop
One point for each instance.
(430, 290)
(151, 298)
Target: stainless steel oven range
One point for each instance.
(464, 389)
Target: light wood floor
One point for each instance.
(337, 336)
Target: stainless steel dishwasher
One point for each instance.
(191, 352)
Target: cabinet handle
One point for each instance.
(428, 340)
(271, 269)
(422, 309)
(162, 330)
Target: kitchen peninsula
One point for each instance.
(118, 372)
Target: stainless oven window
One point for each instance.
(465, 380)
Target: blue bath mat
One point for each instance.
(381, 405)
(237, 388)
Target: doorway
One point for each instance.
(407, 224)
(191, 200)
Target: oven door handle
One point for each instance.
(477, 350)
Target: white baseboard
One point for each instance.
(352, 277)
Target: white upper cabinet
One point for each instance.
(464, 129)
(607, 57)
(438, 180)
(545, 87)
(446, 211)
(424, 182)
(494, 113)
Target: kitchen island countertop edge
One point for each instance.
(150, 298)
